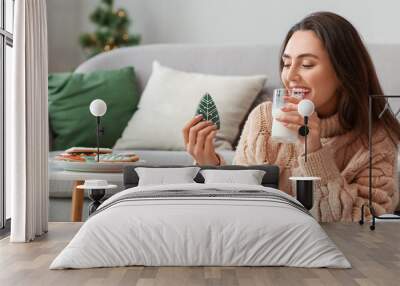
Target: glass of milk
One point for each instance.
(281, 133)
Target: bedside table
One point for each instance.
(78, 178)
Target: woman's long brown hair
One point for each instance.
(355, 71)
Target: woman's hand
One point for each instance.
(199, 141)
(293, 120)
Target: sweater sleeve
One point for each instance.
(339, 197)
(252, 144)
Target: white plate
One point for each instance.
(98, 167)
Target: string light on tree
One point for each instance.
(111, 30)
(121, 13)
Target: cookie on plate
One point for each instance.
(119, 158)
(88, 151)
(70, 157)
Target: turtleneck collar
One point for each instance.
(331, 127)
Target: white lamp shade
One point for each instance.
(305, 107)
(98, 107)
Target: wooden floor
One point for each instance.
(375, 257)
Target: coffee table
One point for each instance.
(57, 173)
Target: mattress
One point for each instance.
(201, 225)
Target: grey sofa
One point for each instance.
(213, 59)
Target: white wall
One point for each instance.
(64, 26)
(214, 21)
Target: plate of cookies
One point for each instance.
(84, 159)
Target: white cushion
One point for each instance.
(170, 99)
(248, 177)
(166, 176)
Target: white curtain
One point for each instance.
(27, 123)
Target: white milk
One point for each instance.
(281, 133)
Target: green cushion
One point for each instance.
(70, 95)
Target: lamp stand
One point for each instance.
(305, 190)
(305, 137)
(304, 193)
(303, 131)
(99, 131)
(96, 196)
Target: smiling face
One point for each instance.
(306, 65)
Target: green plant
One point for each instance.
(111, 30)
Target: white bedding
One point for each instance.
(183, 231)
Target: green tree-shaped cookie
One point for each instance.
(209, 110)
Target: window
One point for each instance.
(6, 44)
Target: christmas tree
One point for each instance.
(111, 30)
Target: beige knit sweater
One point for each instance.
(342, 164)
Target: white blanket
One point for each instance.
(201, 230)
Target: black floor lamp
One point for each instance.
(305, 185)
(369, 204)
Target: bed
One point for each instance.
(201, 224)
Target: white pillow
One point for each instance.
(248, 177)
(170, 100)
(165, 176)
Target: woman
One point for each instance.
(323, 55)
